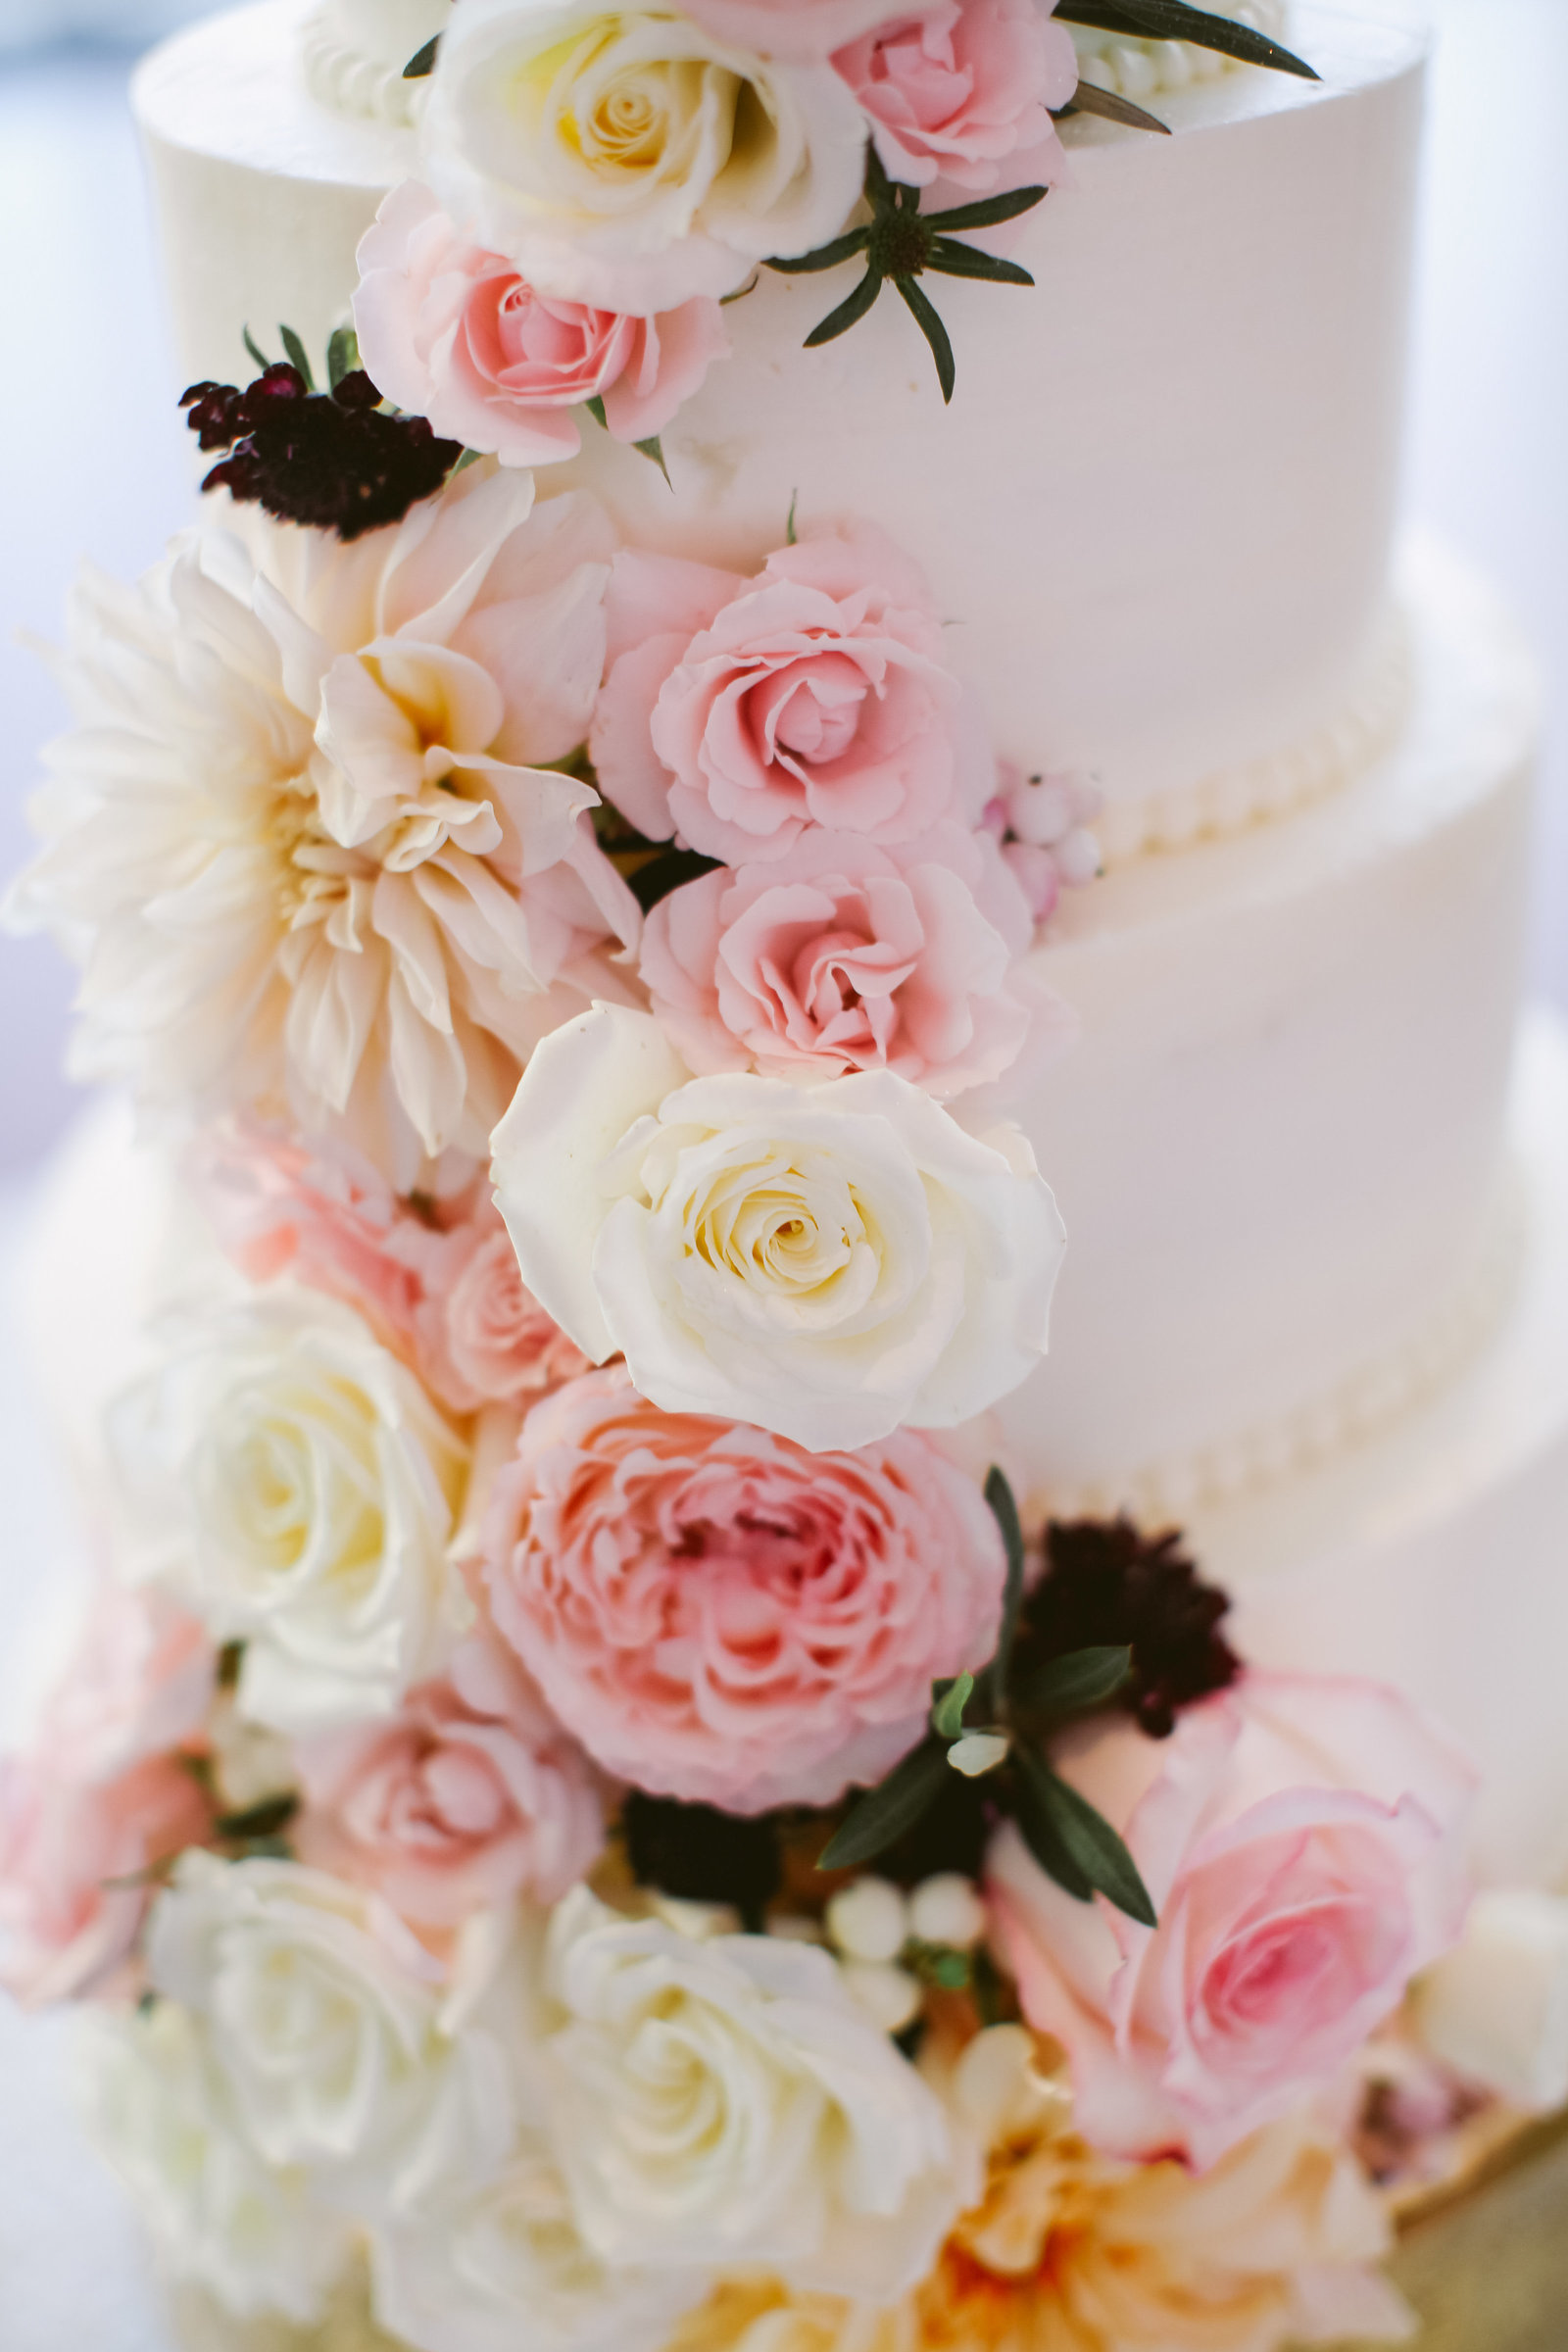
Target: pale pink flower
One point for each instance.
(453, 332)
(738, 712)
(964, 91)
(723, 1617)
(438, 1284)
(1299, 1838)
(472, 1795)
(79, 1862)
(141, 1682)
(841, 954)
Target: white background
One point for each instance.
(93, 460)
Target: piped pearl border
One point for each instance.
(347, 81)
(1140, 69)
(1372, 1399)
(1230, 800)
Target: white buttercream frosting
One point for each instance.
(1144, 70)
(354, 52)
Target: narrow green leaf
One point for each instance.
(1004, 1509)
(1090, 99)
(989, 213)
(297, 355)
(881, 1819)
(1071, 1686)
(1174, 21)
(666, 873)
(740, 292)
(935, 333)
(596, 409)
(952, 260)
(421, 65)
(1091, 1845)
(792, 537)
(653, 450)
(342, 355)
(1037, 1819)
(254, 348)
(265, 1819)
(825, 256)
(849, 314)
(947, 1716)
(878, 187)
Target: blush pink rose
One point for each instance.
(1300, 1839)
(142, 1682)
(80, 1863)
(964, 92)
(452, 332)
(723, 1617)
(844, 956)
(473, 1796)
(738, 712)
(438, 1284)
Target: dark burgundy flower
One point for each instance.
(1108, 1584)
(337, 460)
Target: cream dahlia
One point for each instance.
(301, 841)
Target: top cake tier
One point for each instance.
(1159, 509)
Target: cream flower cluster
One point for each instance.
(597, 180)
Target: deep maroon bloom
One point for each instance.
(1106, 1583)
(334, 459)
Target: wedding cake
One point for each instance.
(826, 1396)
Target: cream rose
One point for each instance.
(628, 158)
(296, 1488)
(160, 2112)
(326, 2017)
(827, 1262)
(725, 2104)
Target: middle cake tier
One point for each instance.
(1279, 1142)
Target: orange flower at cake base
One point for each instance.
(1074, 2252)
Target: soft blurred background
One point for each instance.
(93, 462)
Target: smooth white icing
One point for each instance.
(1436, 1559)
(1280, 1137)
(1159, 509)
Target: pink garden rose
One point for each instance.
(723, 1617)
(79, 1861)
(452, 332)
(438, 1285)
(738, 712)
(963, 92)
(1300, 1840)
(142, 1682)
(844, 956)
(472, 1795)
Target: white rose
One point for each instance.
(499, 2265)
(156, 2104)
(829, 1262)
(1495, 2008)
(624, 157)
(300, 1492)
(725, 2104)
(328, 2021)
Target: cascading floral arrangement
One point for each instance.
(579, 1801)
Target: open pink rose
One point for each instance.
(964, 91)
(1300, 1840)
(78, 1866)
(473, 1796)
(142, 1682)
(844, 956)
(723, 1617)
(452, 332)
(438, 1284)
(737, 713)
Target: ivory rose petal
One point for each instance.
(633, 157)
(829, 1262)
(816, 693)
(1301, 1841)
(809, 29)
(723, 1617)
(453, 332)
(964, 91)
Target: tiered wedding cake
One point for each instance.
(791, 687)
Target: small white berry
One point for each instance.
(977, 1753)
(1042, 809)
(888, 1996)
(1078, 857)
(947, 1910)
(869, 1921)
